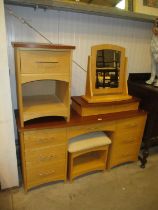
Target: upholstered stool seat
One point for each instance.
(87, 153)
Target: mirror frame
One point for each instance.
(93, 67)
(94, 95)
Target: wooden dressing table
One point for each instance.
(44, 142)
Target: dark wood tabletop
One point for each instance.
(41, 45)
(75, 119)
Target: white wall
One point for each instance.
(83, 31)
(8, 162)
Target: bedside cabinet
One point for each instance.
(43, 62)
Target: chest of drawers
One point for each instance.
(126, 140)
(44, 155)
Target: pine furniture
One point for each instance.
(43, 131)
(43, 62)
(44, 142)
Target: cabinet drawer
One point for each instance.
(44, 138)
(46, 155)
(127, 137)
(134, 124)
(126, 149)
(79, 130)
(123, 159)
(124, 153)
(48, 173)
(45, 62)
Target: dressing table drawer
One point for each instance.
(79, 130)
(126, 138)
(45, 62)
(44, 138)
(124, 159)
(131, 124)
(44, 156)
(45, 174)
(125, 153)
(130, 148)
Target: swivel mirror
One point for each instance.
(106, 76)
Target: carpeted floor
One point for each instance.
(127, 187)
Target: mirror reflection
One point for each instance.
(107, 68)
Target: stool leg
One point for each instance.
(70, 170)
(106, 157)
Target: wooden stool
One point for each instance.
(87, 153)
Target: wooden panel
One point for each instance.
(78, 130)
(44, 156)
(18, 86)
(45, 62)
(45, 174)
(23, 162)
(44, 138)
(33, 77)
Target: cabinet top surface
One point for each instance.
(75, 120)
(137, 80)
(41, 45)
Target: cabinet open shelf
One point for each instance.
(40, 103)
(43, 105)
(88, 162)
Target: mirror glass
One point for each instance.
(107, 68)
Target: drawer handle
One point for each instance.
(92, 129)
(88, 129)
(126, 155)
(45, 140)
(47, 173)
(47, 157)
(47, 62)
(131, 125)
(130, 141)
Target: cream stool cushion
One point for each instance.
(88, 141)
